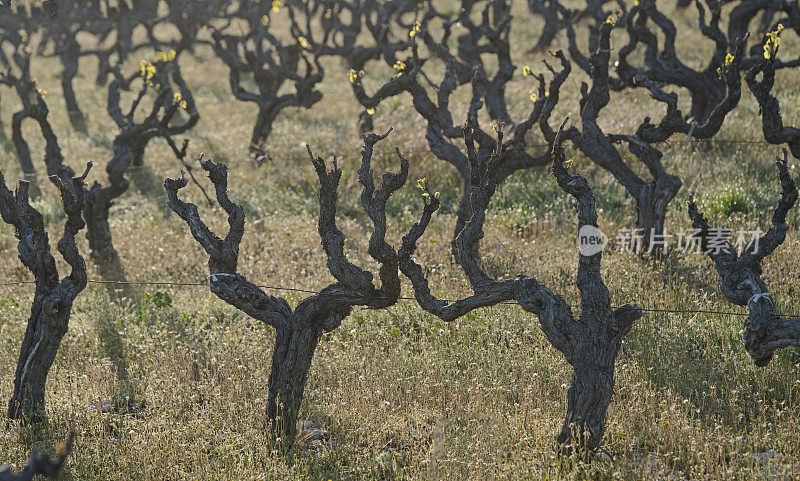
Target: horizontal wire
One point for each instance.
(292, 289)
(307, 291)
(717, 141)
(301, 156)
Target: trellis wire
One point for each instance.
(307, 291)
(144, 168)
(672, 142)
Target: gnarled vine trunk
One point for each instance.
(291, 362)
(129, 147)
(69, 59)
(589, 344)
(261, 131)
(98, 232)
(740, 274)
(52, 301)
(651, 211)
(299, 331)
(588, 397)
(275, 61)
(23, 152)
(47, 325)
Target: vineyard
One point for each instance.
(362, 239)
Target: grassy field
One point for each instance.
(401, 394)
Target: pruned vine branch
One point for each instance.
(41, 464)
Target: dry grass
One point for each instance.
(402, 394)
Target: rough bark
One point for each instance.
(291, 363)
(740, 274)
(23, 152)
(298, 331)
(590, 344)
(52, 302)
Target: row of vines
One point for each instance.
(274, 52)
